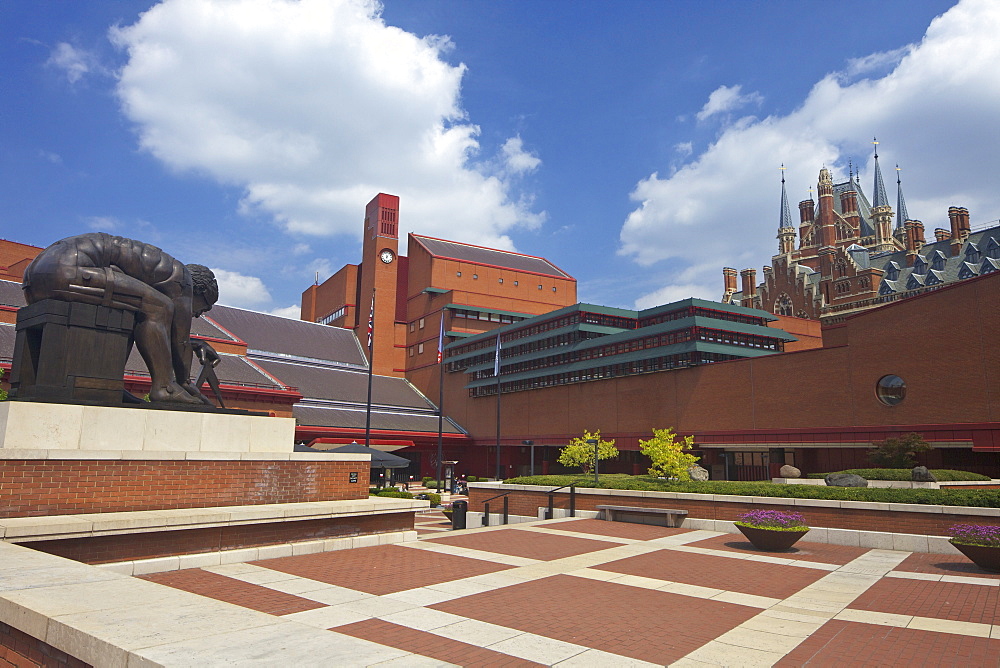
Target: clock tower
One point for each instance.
(379, 269)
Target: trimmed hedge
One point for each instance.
(981, 498)
(393, 493)
(943, 475)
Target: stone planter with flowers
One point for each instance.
(979, 542)
(772, 530)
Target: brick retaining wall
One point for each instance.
(21, 650)
(33, 487)
(904, 518)
(135, 546)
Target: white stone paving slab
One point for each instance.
(475, 632)
(334, 595)
(376, 606)
(327, 618)
(595, 658)
(481, 555)
(423, 619)
(539, 649)
(296, 644)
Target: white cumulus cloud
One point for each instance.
(240, 290)
(313, 107)
(75, 63)
(725, 99)
(934, 113)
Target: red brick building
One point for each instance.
(851, 256)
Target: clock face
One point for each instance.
(387, 256)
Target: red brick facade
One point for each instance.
(30, 488)
(18, 649)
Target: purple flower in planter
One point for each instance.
(772, 519)
(975, 534)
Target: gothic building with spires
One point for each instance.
(854, 254)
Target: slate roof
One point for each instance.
(285, 337)
(332, 384)
(953, 268)
(354, 418)
(232, 370)
(11, 294)
(489, 256)
(6, 342)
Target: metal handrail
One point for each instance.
(506, 508)
(550, 511)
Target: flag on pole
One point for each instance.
(496, 360)
(371, 322)
(441, 340)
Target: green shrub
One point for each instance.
(471, 478)
(430, 483)
(425, 479)
(983, 498)
(898, 453)
(393, 493)
(435, 499)
(943, 475)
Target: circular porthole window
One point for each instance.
(890, 390)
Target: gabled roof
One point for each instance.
(284, 337)
(11, 294)
(491, 257)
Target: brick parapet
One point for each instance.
(31, 487)
(22, 650)
(885, 517)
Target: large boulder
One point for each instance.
(789, 471)
(921, 474)
(845, 480)
(698, 473)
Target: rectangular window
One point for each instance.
(420, 349)
(421, 323)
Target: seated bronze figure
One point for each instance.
(115, 272)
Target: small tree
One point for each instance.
(669, 454)
(3, 392)
(898, 453)
(580, 453)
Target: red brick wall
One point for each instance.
(128, 547)
(21, 650)
(928, 523)
(66, 487)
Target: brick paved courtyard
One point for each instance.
(594, 593)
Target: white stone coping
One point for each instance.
(111, 619)
(758, 500)
(895, 484)
(168, 455)
(54, 527)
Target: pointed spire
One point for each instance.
(786, 214)
(901, 214)
(880, 197)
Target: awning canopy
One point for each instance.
(380, 460)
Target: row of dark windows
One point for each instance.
(502, 318)
(678, 361)
(705, 334)
(620, 322)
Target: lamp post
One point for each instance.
(594, 442)
(532, 444)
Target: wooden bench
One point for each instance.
(639, 515)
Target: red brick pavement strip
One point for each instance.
(943, 564)
(803, 550)
(234, 591)
(528, 544)
(382, 570)
(838, 643)
(617, 529)
(941, 600)
(739, 575)
(639, 623)
(428, 644)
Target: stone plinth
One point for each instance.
(26, 425)
(71, 352)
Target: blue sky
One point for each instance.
(634, 144)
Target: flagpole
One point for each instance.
(371, 366)
(440, 453)
(496, 372)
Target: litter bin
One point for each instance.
(458, 511)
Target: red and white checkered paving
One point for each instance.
(595, 593)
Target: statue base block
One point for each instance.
(32, 425)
